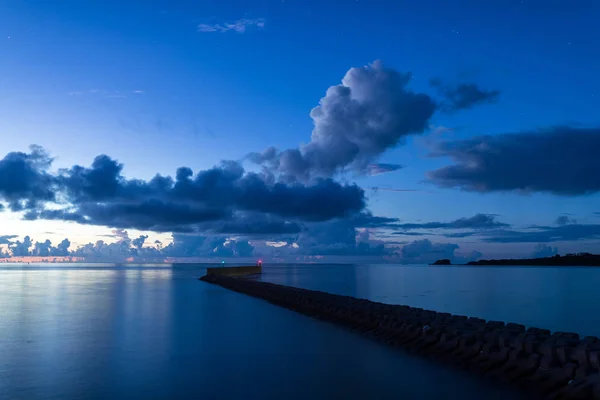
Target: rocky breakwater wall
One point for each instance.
(557, 365)
(239, 271)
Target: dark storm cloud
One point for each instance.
(154, 215)
(561, 161)
(210, 193)
(463, 95)
(322, 200)
(24, 179)
(478, 221)
(101, 195)
(371, 111)
(254, 224)
(62, 215)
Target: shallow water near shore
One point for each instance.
(106, 331)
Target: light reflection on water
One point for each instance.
(157, 332)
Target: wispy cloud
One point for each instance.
(382, 168)
(239, 26)
(387, 189)
(113, 94)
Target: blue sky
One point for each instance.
(160, 85)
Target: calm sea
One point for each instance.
(140, 331)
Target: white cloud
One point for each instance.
(239, 26)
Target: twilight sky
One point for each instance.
(295, 130)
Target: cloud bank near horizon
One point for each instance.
(324, 244)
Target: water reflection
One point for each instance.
(136, 332)
(560, 299)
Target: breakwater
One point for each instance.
(235, 271)
(557, 365)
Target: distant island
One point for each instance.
(569, 260)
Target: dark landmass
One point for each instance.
(558, 365)
(443, 261)
(569, 260)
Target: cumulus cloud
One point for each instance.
(239, 26)
(426, 252)
(62, 249)
(182, 246)
(21, 248)
(138, 242)
(371, 111)
(543, 250)
(463, 95)
(27, 247)
(42, 249)
(478, 221)
(560, 161)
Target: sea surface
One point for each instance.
(103, 331)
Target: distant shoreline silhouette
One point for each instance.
(568, 260)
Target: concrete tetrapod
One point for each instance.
(557, 365)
